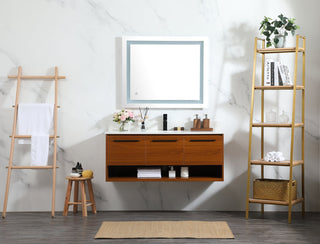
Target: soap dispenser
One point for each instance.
(197, 122)
(172, 173)
(206, 122)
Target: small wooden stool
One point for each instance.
(84, 200)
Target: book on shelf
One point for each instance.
(281, 76)
(286, 72)
(276, 74)
(272, 69)
(267, 72)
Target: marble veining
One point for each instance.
(105, 16)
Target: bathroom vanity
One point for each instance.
(201, 152)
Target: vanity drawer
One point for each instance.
(203, 149)
(125, 150)
(164, 150)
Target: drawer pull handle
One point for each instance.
(202, 140)
(125, 140)
(164, 140)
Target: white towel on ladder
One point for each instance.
(39, 150)
(36, 119)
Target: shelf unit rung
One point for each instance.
(289, 125)
(275, 202)
(280, 50)
(278, 87)
(281, 163)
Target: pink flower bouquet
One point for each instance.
(123, 117)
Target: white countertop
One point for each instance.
(160, 132)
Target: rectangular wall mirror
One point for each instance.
(164, 72)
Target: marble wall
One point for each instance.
(81, 38)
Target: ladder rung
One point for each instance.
(15, 105)
(29, 136)
(37, 77)
(32, 167)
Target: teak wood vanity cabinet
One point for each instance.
(203, 154)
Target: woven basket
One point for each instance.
(270, 189)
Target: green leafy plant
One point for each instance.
(280, 26)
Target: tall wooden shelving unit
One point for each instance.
(293, 125)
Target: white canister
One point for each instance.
(184, 172)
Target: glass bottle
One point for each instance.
(283, 118)
(143, 126)
(271, 116)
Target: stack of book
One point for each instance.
(276, 74)
(149, 173)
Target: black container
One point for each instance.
(165, 122)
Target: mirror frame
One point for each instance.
(128, 41)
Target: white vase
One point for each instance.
(123, 126)
(281, 41)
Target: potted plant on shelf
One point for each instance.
(277, 30)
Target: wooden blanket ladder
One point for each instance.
(20, 77)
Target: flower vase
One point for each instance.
(122, 126)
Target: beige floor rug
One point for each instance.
(164, 229)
